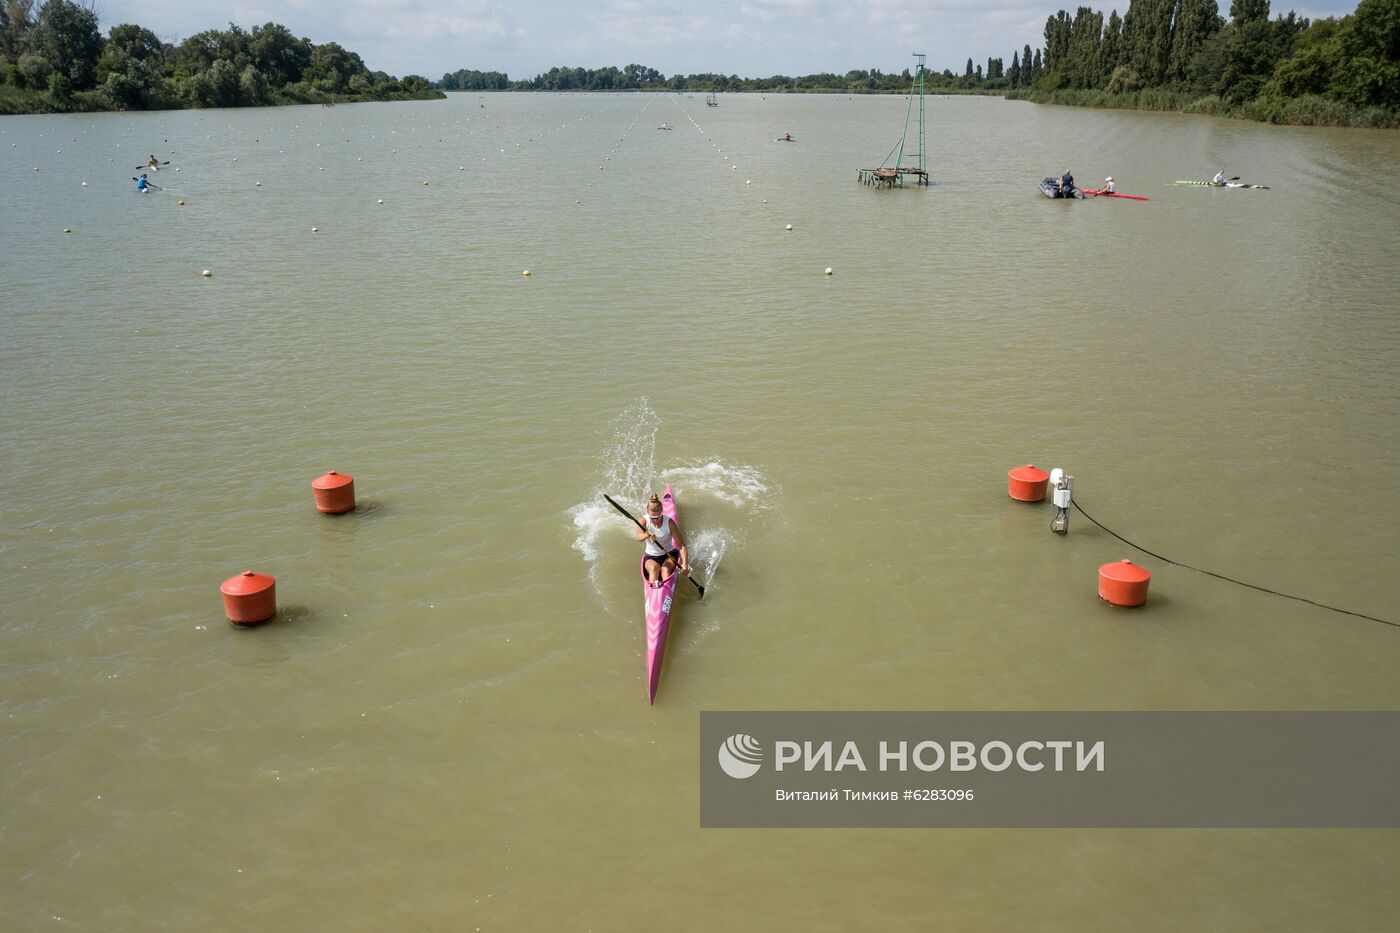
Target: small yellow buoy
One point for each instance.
(788, 227)
(206, 273)
(67, 230)
(315, 229)
(181, 203)
(425, 184)
(526, 273)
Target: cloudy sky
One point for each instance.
(751, 38)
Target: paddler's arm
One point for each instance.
(680, 545)
(639, 534)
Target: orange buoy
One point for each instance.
(249, 598)
(1027, 483)
(1123, 583)
(335, 492)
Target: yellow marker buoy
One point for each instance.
(66, 230)
(425, 184)
(789, 227)
(181, 203)
(315, 229)
(526, 273)
(207, 274)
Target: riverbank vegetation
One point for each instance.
(1182, 55)
(55, 59)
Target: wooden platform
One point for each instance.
(890, 177)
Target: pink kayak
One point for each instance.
(658, 603)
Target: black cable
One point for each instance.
(1220, 576)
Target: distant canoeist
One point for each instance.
(665, 549)
(787, 138)
(1219, 178)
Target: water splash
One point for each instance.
(628, 473)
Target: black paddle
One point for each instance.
(153, 164)
(698, 588)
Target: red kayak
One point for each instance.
(658, 606)
(1105, 193)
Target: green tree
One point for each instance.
(15, 22)
(66, 35)
(252, 87)
(135, 42)
(278, 54)
(1196, 22)
(1368, 72)
(135, 86)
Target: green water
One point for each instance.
(446, 727)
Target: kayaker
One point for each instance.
(1219, 178)
(787, 137)
(665, 548)
(141, 183)
(1066, 184)
(1108, 185)
(153, 162)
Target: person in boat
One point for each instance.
(1219, 178)
(787, 137)
(1066, 184)
(665, 551)
(153, 162)
(1108, 185)
(141, 183)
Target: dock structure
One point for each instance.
(893, 170)
(890, 177)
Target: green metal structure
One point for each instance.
(892, 175)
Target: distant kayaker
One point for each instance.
(1219, 178)
(787, 137)
(142, 184)
(153, 162)
(665, 549)
(1066, 183)
(1108, 185)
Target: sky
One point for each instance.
(750, 38)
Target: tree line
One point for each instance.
(643, 78)
(1160, 54)
(56, 59)
(1182, 54)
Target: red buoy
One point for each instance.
(1027, 483)
(335, 492)
(249, 598)
(1123, 583)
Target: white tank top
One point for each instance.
(663, 543)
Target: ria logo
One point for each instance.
(741, 756)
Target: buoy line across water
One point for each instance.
(1221, 576)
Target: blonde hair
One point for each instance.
(655, 500)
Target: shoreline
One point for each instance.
(1310, 110)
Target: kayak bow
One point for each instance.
(1101, 193)
(658, 602)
